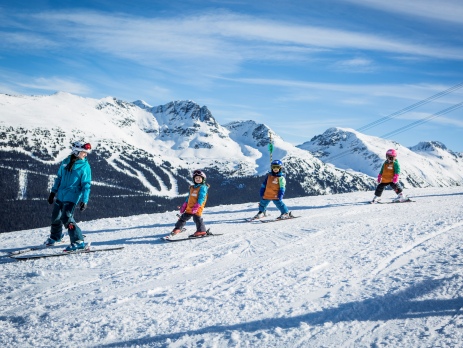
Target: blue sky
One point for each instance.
(300, 67)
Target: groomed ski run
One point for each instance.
(344, 274)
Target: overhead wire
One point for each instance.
(423, 120)
(404, 110)
(411, 107)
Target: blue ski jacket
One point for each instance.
(74, 185)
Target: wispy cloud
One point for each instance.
(219, 42)
(443, 120)
(55, 84)
(18, 41)
(356, 65)
(443, 10)
(412, 92)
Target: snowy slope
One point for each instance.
(426, 164)
(144, 154)
(177, 136)
(67, 117)
(344, 274)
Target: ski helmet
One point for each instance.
(276, 164)
(79, 146)
(199, 173)
(391, 152)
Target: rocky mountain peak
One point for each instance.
(428, 146)
(186, 109)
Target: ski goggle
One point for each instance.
(85, 147)
(391, 158)
(276, 167)
(199, 173)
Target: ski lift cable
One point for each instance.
(411, 107)
(405, 128)
(423, 120)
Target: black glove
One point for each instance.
(51, 198)
(83, 206)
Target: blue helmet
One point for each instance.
(277, 164)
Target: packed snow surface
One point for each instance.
(345, 274)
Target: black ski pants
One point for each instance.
(200, 227)
(380, 188)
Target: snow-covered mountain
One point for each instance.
(309, 173)
(144, 155)
(426, 164)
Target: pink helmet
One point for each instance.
(199, 173)
(391, 152)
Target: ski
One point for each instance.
(40, 247)
(63, 253)
(408, 200)
(255, 219)
(65, 240)
(209, 234)
(276, 220)
(168, 237)
(191, 238)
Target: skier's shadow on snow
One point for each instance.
(439, 195)
(399, 305)
(129, 228)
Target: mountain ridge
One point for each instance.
(146, 154)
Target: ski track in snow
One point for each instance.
(345, 274)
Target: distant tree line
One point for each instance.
(119, 194)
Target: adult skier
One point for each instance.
(71, 188)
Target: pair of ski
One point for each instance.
(170, 238)
(64, 240)
(191, 237)
(407, 200)
(270, 220)
(40, 247)
(19, 254)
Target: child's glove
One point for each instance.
(82, 206)
(51, 198)
(280, 194)
(395, 178)
(195, 208)
(262, 191)
(379, 178)
(183, 208)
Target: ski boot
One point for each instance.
(284, 216)
(175, 232)
(199, 234)
(78, 245)
(259, 215)
(400, 198)
(50, 241)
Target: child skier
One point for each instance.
(71, 186)
(194, 205)
(389, 176)
(272, 190)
